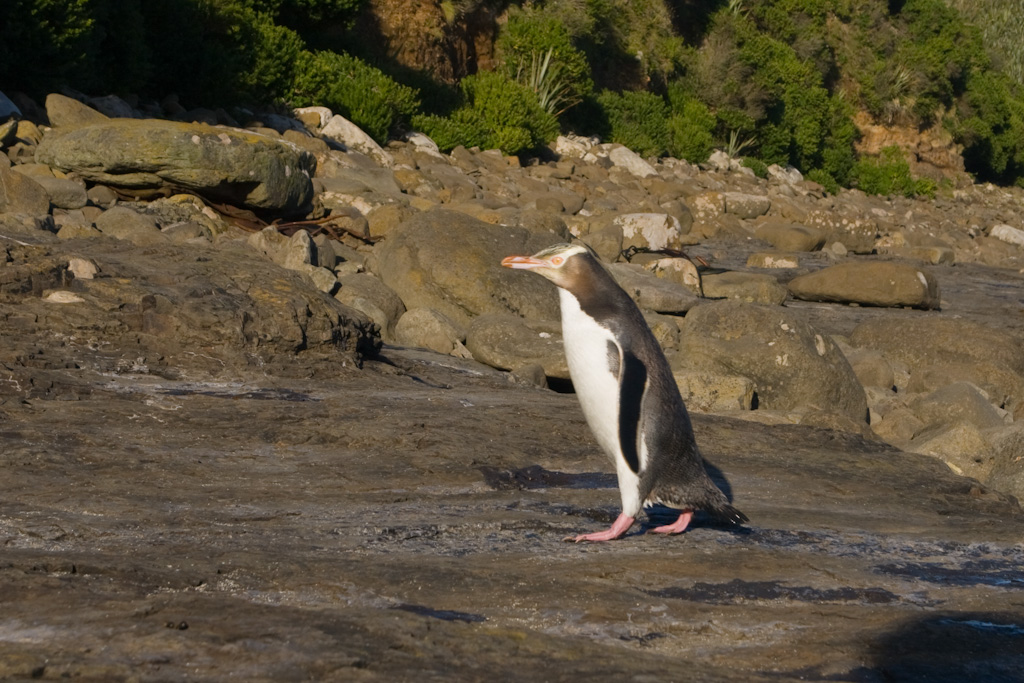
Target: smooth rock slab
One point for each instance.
(870, 283)
(225, 165)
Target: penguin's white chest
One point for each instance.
(590, 353)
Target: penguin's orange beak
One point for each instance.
(523, 262)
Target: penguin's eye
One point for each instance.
(557, 261)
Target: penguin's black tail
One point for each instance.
(729, 514)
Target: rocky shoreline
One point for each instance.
(185, 302)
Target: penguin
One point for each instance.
(627, 393)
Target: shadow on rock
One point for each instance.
(955, 646)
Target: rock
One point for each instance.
(126, 224)
(221, 164)
(792, 365)
(112, 106)
(649, 230)
(507, 343)
(747, 206)
(788, 175)
(428, 329)
(955, 350)
(351, 136)
(961, 445)
(66, 113)
(681, 271)
(790, 236)
(871, 283)
(707, 392)
(958, 402)
(1008, 234)
(186, 231)
(650, 292)
(627, 159)
(451, 263)
(751, 287)
(82, 268)
(1007, 473)
(21, 194)
(64, 193)
(366, 293)
(763, 259)
(871, 367)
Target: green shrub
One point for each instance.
(890, 175)
(496, 113)
(690, 131)
(759, 168)
(638, 120)
(529, 38)
(990, 126)
(354, 89)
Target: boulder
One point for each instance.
(959, 402)
(1008, 234)
(132, 226)
(451, 262)
(224, 165)
(755, 288)
(871, 283)
(745, 205)
(21, 194)
(786, 236)
(709, 392)
(66, 113)
(625, 158)
(792, 365)
(351, 136)
(507, 342)
(429, 329)
(649, 230)
(768, 260)
(366, 293)
(651, 292)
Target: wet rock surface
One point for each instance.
(406, 520)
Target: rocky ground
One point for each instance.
(214, 469)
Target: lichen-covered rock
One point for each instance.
(225, 165)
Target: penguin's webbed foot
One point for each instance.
(619, 527)
(676, 527)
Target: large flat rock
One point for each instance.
(406, 521)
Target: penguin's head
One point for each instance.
(560, 263)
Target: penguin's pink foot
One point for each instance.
(619, 527)
(677, 527)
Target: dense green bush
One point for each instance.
(990, 125)
(638, 120)
(690, 129)
(496, 113)
(529, 37)
(354, 89)
(890, 175)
